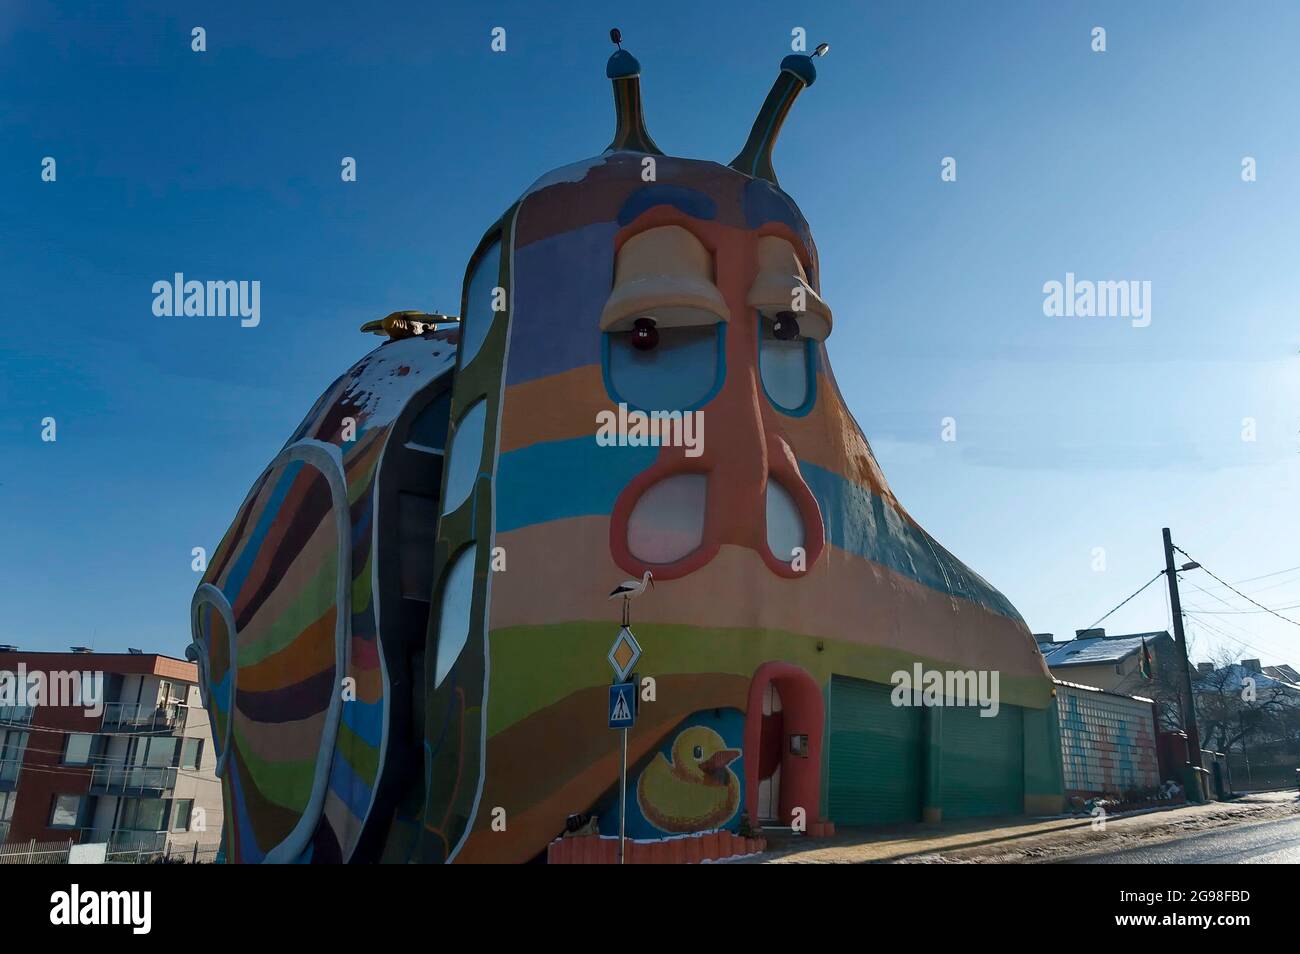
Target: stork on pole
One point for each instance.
(630, 590)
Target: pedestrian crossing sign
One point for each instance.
(622, 705)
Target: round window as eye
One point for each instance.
(698, 753)
(786, 362)
(670, 361)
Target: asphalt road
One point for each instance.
(1271, 842)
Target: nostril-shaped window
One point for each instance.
(667, 523)
(784, 522)
(786, 362)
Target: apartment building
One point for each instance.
(105, 747)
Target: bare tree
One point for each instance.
(1235, 706)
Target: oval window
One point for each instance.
(465, 456)
(786, 366)
(453, 620)
(477, 320)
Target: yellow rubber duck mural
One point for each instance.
(697, 790)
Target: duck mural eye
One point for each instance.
(453, 559)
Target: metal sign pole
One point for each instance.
(622, 799)
(623, 655)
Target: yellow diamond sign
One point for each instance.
(623, 655)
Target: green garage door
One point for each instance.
(983, 768)
(875, 756)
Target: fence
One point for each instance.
(119, 779)
(138, 717)
(119, 852)
(1255, 771)
(35, 853)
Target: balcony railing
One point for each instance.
(123, 840)
(135, 717)
(16, 715)
(9, 769)
(132, 779)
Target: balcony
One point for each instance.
(4, 832)
(9, 769)
(123, 840)
(16, 715)
(130, 717)
(138, 780)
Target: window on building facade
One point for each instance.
(144, 814)
(184, 807)
(65, 811)
(161, 752)
(12, 744)
(191, 753)
(76, 751)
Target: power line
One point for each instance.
(1236, 627)
(1241, 642)
(1264, 576)
(1291, 581)
(1183, 579)
(1237, 591)
(1248, 612)
(1135, 593)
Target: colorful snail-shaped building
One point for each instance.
(403, 635)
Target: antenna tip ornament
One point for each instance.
(622, 64)
(801, 65)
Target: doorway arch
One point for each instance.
(803, 711)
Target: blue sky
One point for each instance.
(1072, 434)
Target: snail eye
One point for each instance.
(668, 360)
(645, 336)
(785, 327)
(699, 752)
(785, 359)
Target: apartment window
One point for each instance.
(191, 753)
(76, 751)
(7, 800)
(181, 814)
(65, 811)
(161, 753)
(12, 744)
(144, 814)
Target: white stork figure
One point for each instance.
(630, 590)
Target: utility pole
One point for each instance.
(1189, 703)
